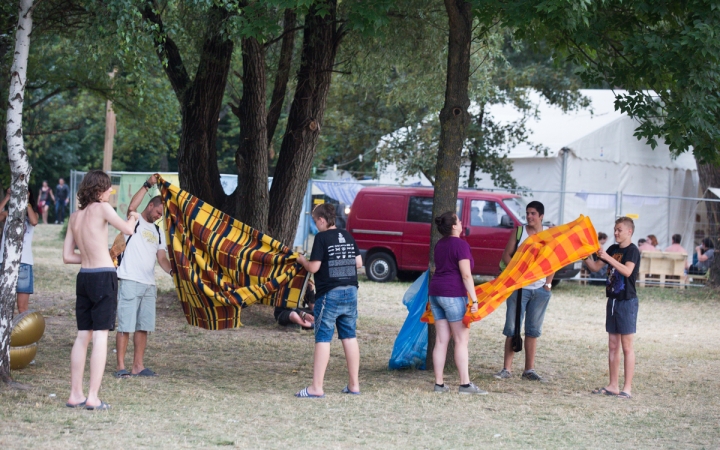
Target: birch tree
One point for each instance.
(20, 172)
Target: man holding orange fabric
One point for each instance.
(533, 304)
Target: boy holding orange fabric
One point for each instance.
(623, 259)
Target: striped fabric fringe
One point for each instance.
(537, 257)
(221, 265)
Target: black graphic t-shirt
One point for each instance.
(337, 250)
(618, 286)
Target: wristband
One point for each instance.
(147, 185)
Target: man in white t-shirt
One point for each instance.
(137, 291)
(533, 303)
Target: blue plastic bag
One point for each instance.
(410, 349)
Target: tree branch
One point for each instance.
(167, 51)
(64, 130)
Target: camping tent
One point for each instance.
(596, 166)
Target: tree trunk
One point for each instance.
(20, 172)
(473, 153)
(710, 177)
(200, 103)
(283, 73)
(251, 157)
(320, 41)
(454, 119)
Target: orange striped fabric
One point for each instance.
(537, 257)
(220, 265)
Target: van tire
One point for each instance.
(380, 267)
(555, 283)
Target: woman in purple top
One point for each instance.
(449, 289)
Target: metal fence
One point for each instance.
(661, 216)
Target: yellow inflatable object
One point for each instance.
(28, 328)
(20, 357)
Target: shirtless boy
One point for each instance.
(96, 285)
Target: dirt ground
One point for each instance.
(235, 387)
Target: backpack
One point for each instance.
(117, 251)
(518, 235)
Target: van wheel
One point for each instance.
(555, 283)
(380, 267)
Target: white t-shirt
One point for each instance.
(138, 262)
(27, 256)
(541, 282)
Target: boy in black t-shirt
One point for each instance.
(623, 260)
(334, 260)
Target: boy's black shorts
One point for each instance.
(96, 303)
(621, 316)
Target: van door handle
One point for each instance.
(467, 231)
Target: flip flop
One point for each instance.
(603, 391)
(122, 374)
(346, 390)
(624, 395)
(305, 394)
(78, 405)
(101, 407)
(144, 373)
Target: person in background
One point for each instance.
(44, 201)
(676, 247)
(25, 282)
(597, 274)
(62, 200)
(302, 317)
(650, 244)
(644, 245)
(705, 255)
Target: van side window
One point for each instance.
(420, 209)
(485, 213)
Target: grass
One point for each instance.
(234, 388)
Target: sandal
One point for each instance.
(305, 394)
(604, 391)
(624, 395)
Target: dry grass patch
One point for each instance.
(235, 387)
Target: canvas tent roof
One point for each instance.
(556, 130)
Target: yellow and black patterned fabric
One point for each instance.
(220, 265)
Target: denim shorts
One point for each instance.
(26, 282)
(534, 305)
(451, 309)
(337, 307)
(621, 316)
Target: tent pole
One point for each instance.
(563, 178)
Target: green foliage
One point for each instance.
(666, 53)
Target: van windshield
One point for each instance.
(516, 207)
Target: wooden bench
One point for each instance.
(662, 269)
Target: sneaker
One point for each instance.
(531, 375)
(443, 388)
(503, 374)
(472, 389)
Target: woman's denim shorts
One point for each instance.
(451, 309)
(26, 282)
(336, 307)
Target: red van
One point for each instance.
(391, 226)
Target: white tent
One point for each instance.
(604, 170)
